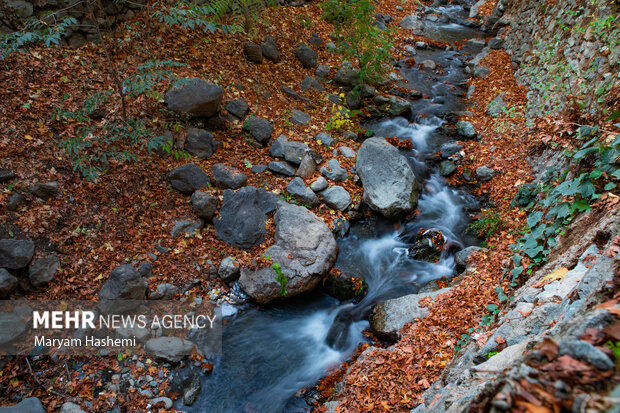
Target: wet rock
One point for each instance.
(429, 64)
(186, 226)
(192, 391)
(427, 246)
(582, 350)
(465, 129)
(421, 45)
(282, 168)
(42, 270)
(390, 186)
(200, 143)
(411, 22)
(165, 291)
(195, 97)
(299, 118)
(226, 176)
(322, 71)
(304, 247)
(460, 258)
(170, 349)
(334, 171)
(44, 189)
(347, 76)
(259, 128)
(347, 152)
(342, 287)
(496, 106)
(301, 192)
(29, 405)
(496, 43)
(387, 318)
(188, 178)
(306, 56)
(238, 108)
(204, 204)
(6, 175)
(484, 173)
(15, 254)
(160, 402)
(449, 149)
(307, 167)
(242, 218)
(229, 269)
(319, 184)
(8, 283)
(69, 407)
(336, 197)
(270, 49)
(392, 105)
(253, 52)
(124, 283)
(324, 139)
(340, 226)
(311, 83)
(446, 168)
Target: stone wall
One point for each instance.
(113, 12)
(563, 47)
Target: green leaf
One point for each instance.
(609, 186)
(534, 218)
(492, 307)
(595, 174)
(615, 115)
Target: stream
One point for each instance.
(270, 354)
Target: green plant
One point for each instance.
(189, 15)
(358, 39)
(342, 118)
(614, 347)
(556, 200)
(488, 318)
(489, 223)
(35, 31)
(280, 278)
(248, 10)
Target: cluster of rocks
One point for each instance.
(111, 14)
(18, 267)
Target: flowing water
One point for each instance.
(269, 354)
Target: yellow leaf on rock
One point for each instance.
(556, 275)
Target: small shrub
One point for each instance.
(489, 223)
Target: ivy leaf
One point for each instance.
(534, 218)
(586, 189)
(609, 186)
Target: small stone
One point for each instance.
(315, 40)
(336, 197)
(496, 106)
(8, 283)
(259, 128)
(204, 204)
(69, 407)
(460, 258)
(349, 135)
(322, 71)
(465, 129)
(200, 143)
(319, 184)
(160, 402)
(496, 43)
(146, 269)
(15, 254)
(429, 64)
(347, 152)
(270, 49)
(188, 178)
(446, 168)
(298, 189)
(324, 139)
(170, 349)
(258, 169)
(334, 171)
(484, 173)
(449, 149)
(42, 270)
(226, 176)
(186, 226)
(299, 118)
(165, 291)
(44, 190)
(14, 201)
(281, 167)
(307, 167)
(6, 175)
(480, 71)
(229, 269)
(306, 56)
(420, 45)
(311, 83)
(238, 108)
(253, 52)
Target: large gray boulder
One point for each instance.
(29, 405)
(195, 96)
(242, 218)
(305, 250)
(188, 178)
(170, 349)
(15, 253)
(390, 186)
(387, 318)
(125, 283)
